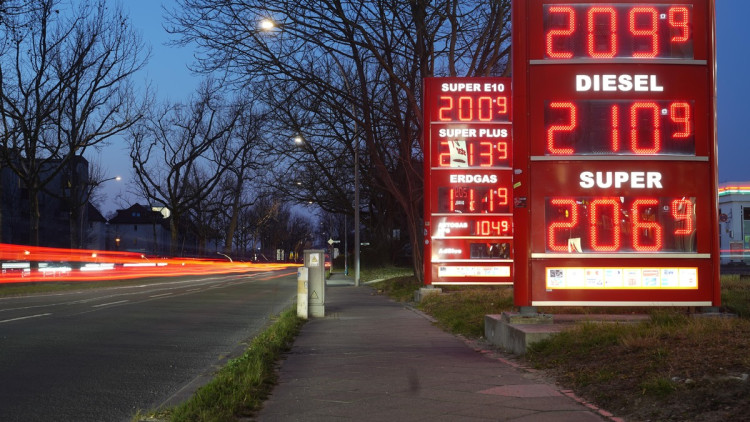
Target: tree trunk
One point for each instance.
(34, 217)
(233, 219)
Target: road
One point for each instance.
(100, 355)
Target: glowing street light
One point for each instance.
(267, 24)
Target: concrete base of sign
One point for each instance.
(426, 291)
(516, 332)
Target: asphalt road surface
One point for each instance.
(100, 355)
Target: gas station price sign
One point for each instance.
(615, 154)
(618, 30)
(468, 153)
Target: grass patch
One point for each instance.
(655, 369)
(383, 272)
(462, 311)
(735, 294)
(399, 288)
(239, 388)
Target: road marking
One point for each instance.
(163, 294)
(110, 303)
(26, 317)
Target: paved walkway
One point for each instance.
(372, 359)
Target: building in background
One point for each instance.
(139, 229)
(64, 207)
(734, 223)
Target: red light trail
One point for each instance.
(65, 265)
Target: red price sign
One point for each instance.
(468, 181)
(615, 189)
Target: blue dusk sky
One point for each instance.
(168, 73)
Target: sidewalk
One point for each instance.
(372, 359)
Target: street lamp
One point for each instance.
(267, 25)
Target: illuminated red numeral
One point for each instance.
(502, 196)
(485, 109)
(650, 31)
(570, 209)
(615, 128)
(679, 113)
(563, 128)
(451, 200)
(642, 227)
(490, 228)
(444, 158)
(502, 150)
(682, 211)
(652, 113)
(561, 32)
(444, 111)
(594, 30)
(486, 148)
(502, 105)
(613, 222)
(465, 109)
(679, 19)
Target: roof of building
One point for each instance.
(137, 214)
(94, 214)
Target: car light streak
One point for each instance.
(24, 264)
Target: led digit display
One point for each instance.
(620, 224)
(473, 153)
(471, 102)
(471, 108)
(472, 226)
(619, 127)
(602, 31)
(473, 199)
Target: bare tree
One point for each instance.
(240, 173)
(362, 61)
(64, 88)
(181, 153)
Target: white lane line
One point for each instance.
(26, 317)
(110, 303)
(163, 294)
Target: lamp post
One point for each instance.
(267, 25)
